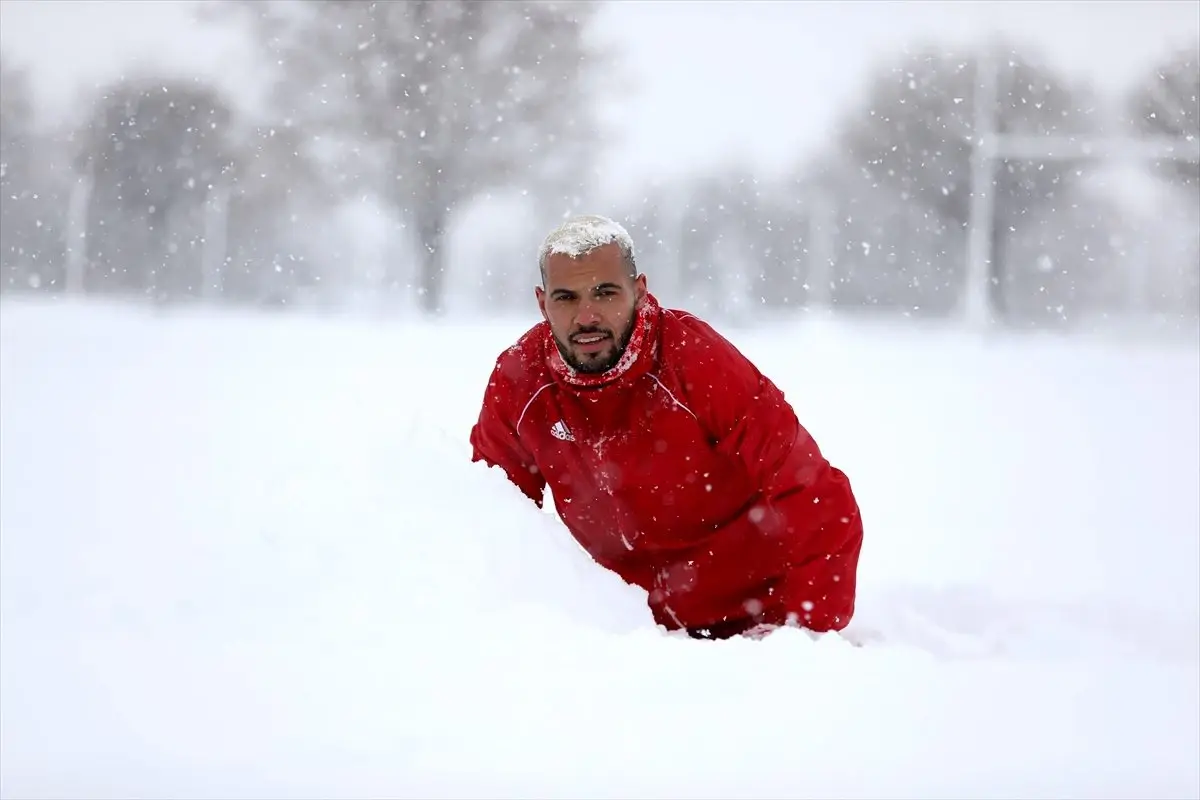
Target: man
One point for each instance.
(670, 458)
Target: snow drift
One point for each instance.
(248, 557)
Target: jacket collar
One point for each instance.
(637, 359)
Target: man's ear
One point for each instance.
(640, 288)
(540, 293)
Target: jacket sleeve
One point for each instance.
(805, 521)
(494, 441)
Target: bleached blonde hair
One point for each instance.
(582, 234)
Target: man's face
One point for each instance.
(590, 303)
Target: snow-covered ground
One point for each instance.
(247, 557)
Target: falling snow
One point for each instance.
(256, 265)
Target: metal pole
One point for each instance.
(78, 203)
(216, 221)
(977, 309)
(821, 252)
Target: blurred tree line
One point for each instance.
(165, 188)
(880, 220)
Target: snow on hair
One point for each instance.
(580, 235)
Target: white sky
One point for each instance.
(757, 80)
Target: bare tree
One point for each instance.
(1167, 103)
(156, 150)
(31, 220)
(723, 240)
(275, 209)
(722, 249)
(432, 102)
(889, 253)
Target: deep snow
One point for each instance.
(247, 557)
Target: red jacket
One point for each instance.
(685, 471)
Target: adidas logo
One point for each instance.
(559, 430)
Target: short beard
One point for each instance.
(598, 367)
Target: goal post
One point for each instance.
(1054, 148)
(991, 147)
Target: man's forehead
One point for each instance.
(566, 272)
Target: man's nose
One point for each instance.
(588, 314)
